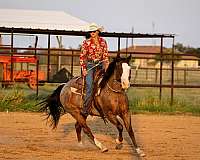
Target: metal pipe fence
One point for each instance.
(162, 75)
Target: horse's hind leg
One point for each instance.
(78, 132)
(82, 122)
(126, 117)
(113, 119)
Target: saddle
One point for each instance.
(79, 86)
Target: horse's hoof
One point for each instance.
(104, 150)
(142, 155)
(140, 152)
(119, 146)
(80, 144)
(100, 146)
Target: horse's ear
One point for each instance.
(129, 57)
(118, 57)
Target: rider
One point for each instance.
(94, 53)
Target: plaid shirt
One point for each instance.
(91, 51)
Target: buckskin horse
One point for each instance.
(111, 99)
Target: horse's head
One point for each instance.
(120, 68)
(122, 73)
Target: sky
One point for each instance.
(180, 17)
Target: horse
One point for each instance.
(110, 101)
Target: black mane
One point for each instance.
(108, 74)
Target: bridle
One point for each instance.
(114, 90)
(118, 80)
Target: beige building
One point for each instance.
(145, 56)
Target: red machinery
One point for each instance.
(28, 76)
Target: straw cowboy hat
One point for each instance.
(95, 27)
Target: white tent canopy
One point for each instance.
(38, 19)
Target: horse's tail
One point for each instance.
(53, 107)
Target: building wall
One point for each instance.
(154, 64)
(188, 63)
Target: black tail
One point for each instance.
(53, 107)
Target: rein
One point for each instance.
(114, 90)
(95, 65)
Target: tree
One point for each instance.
(167, 56)
(179, 47)
(183, 49)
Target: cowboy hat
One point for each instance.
(95, 27)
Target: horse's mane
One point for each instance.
(108, 74)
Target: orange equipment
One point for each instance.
(28, 76)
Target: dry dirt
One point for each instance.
(25, 136)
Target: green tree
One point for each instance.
(179, 47)
(167, 56)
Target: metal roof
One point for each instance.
(40, 19)
(82, 33)
(55, 23)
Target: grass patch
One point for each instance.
(20, 99)
(147, 100)
(141, 100)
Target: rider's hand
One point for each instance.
(84, 72)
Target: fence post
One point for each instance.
(37, 72)
(146, 73)
(172, 74)
(12, 50)
(118, 53)
(185, 73)
(72, 63)
(161, 65)
(48, 58)
(156, 78)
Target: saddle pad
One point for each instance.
(75, 90)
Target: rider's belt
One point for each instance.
(95, 61)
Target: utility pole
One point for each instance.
(153, 32)
(132, 31)
(59, 39)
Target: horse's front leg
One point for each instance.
(82, 123)
(126, 117)
(119, 140)
(113, 119)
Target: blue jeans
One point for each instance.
(90, 81)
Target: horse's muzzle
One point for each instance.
(125, 84)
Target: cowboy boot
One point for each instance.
(84, 111)
(86, 107)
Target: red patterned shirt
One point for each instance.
(92, 51)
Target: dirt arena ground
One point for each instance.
(25, 136)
